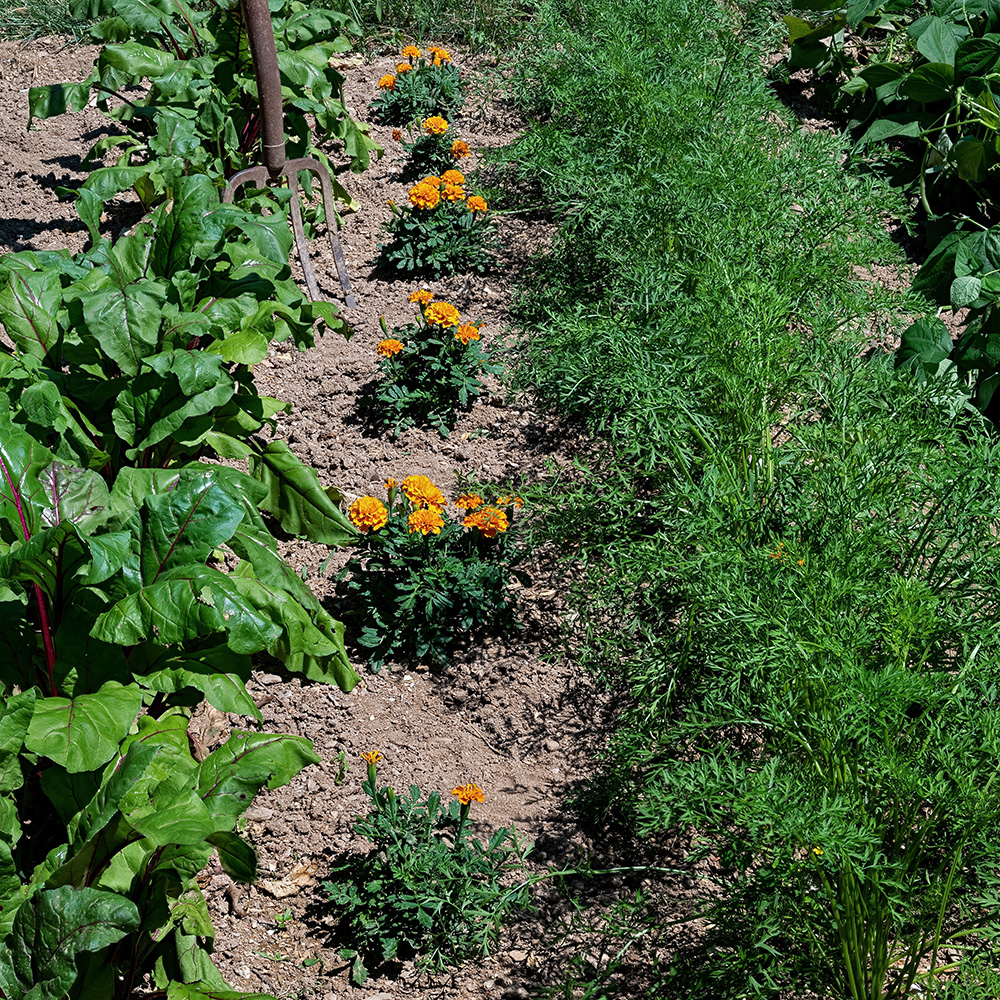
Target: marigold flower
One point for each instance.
(421, 296)
(390, 484)
(490, 521)
(410, 52)
(368, 513)
(441, 314)
(433, 180)
(435, 125)
(453, 177)
(460, 149)
(469, 501)
(465, 333)
(510, 502)
(387, 82)
(402, 68)
(477, 204)
(397, 135)
(371, 756)
(424, 196)
(440, 55)
(469, 793)
(421, 492)
(387, 348)
(427, 520)
(453, 192)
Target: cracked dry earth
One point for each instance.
(514, 716)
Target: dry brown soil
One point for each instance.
(514, 716)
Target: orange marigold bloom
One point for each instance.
(469, 793)
(440, 55)
(421, 492)
(402, 68)
(441, 314)
(397, 134)
(490, 521)
(390, 484)
(410, 52)
(477, 204)
(387, 82)
(453, 177)
(368, 513)
(465, 333)
(435, 125)
(453, 192)
(426, 520)
(433, 180)
(371, 756)
(387, 348)
(421, 296)
(424, 196)
(460, 149)
(469, 501)
(510, 502)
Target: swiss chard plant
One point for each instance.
(198, 110)
(117, 603)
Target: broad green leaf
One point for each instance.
(179, 225)
(296, 498)
(937, 38)
(72, 496)
(237, 857)
(184, 525)
(22, 459)
(125, 320)
(29, 304)
(937, 272)
(49, 930)
(137, 60)
(928, 83)
(231, 776)
(311, 641)
(15, 715)
(965, 291)
(174, 387)
(185, 603)
(977, 57)
(889, 127)
(11, 894)
(58, 98)
(203, 991)
(82, 733)
(926, 342)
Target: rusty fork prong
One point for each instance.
(260, 177)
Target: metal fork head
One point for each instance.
(263, 177)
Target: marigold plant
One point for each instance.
(430, 370)
(424, 195)
(435, 125)
(422, 580)
(427, 85)
(477, 204)
(453, 177)
(460, 149)
(387, 82)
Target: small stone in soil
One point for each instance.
(551, 745)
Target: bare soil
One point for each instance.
(514, 715)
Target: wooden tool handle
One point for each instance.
(260, 35)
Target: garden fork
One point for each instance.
(260, 35)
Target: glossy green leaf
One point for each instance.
(296, 498)
(82, 733)
(49, 930)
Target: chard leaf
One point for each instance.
(296, 498)
(174, 387)
(82, 733)
(231, 776)
(184, 603)
(237, 857)
(29, 305)
(179, 225)
(125, 320)
(50, 928)
(204, 991)
(15, 714)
